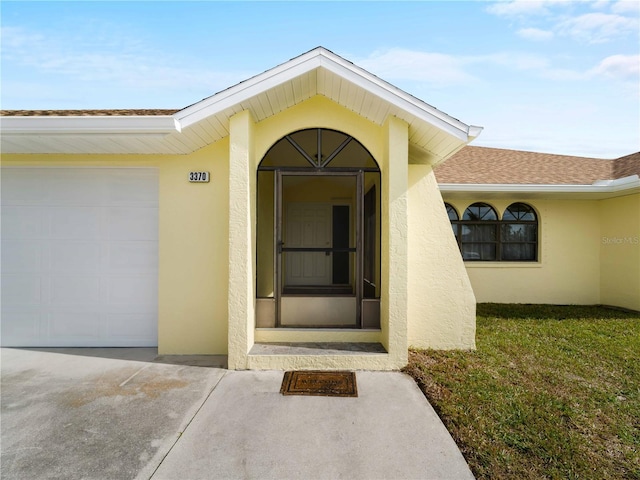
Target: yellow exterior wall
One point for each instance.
(568, 270)
(194, 254)
(442, 306)
(389, 145)
(620, 251)
(193, 242)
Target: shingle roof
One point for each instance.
(85, 113)
(483, 165)
(628, 165)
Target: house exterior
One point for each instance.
(584, 225)
(293, 220)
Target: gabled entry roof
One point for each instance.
(433, 134)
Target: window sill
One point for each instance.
(476, 264)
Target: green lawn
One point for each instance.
(550, 392)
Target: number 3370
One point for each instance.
(199, 177)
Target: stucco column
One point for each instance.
(242, 191)
(395, 240)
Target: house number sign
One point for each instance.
(199, 177)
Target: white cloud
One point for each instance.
(516, 8)
(600, 4)
(440, 70)
(619, 67)
(434, 68)
(123, 62)
(626, 6)
(535, 34)
(597, 27)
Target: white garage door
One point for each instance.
(79, 257)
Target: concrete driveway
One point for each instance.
(126, 413)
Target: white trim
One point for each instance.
(146, 133)
(600, 186)
(73, 125)
(312, 60)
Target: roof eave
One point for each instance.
(79, 125)
(316, 59)
(620, 186)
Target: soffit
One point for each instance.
(433, 135)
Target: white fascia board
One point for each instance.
(608, 186)
(246, 89)
(401, 99)
(79, 125)
(322, 58)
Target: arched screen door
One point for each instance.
(316, 196)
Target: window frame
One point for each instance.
(519, 221)
(498, 224)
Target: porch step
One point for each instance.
(316, 348)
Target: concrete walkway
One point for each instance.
(75, 413)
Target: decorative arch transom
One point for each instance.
(483, 236)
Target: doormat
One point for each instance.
(319, 383)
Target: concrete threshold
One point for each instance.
(316, 348)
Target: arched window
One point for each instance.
(481, 236)
(519, 234)
(451, 211)
(453, 218)
(479, 233)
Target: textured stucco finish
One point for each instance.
(394, 261)
(207, 244)
(442, 306)
(588, 253)
(620, 252)
(242, 194)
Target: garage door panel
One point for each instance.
(129, 190)
(21, 256)
(131, 325)
(75, 257)
(79, 256)
(76, 187)
(21, 290)
(21, 222)
(74, 222)
(132, 223)
(20, 187)
(132, 257)
(66, 290)
(132, 291)
(24, 327)
(75, 326)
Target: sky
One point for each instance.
(548, 76)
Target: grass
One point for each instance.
(550, 392)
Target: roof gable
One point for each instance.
(433, 134)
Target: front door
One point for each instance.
(313, 235)
(317, 256)
(308, 225)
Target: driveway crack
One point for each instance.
(186, 426)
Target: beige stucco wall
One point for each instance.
(441, 303)
(194, 254)
(620, 251)
(389, 146)
(193, 242)
(568, 270)
(207, 243)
